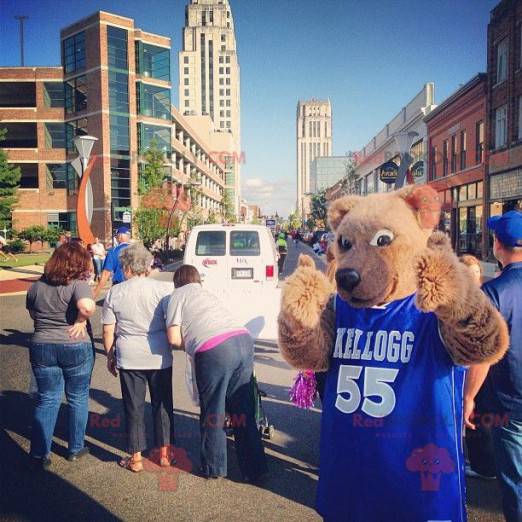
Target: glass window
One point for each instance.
(433, 162)
(17, 94)
(502, 60)
(53, 94)
(62, 221)
(117, 48)
(54, 135)
(480, 190)
(479, 142)
(161, 135)
(501, 127)
(120, 184)
(154, 61)
(244, 243)
(453, 154)
(76, 94)
(72, 129)
(73, 49)
(29, 175)
(463, 150)
(211, 243)
(120, 142)
(154, 101)
(19, 136)
(119, 92)
(463, 193)
(56, 175)
(472, 191)
(186, 81)
(185, 59)
(445, 158)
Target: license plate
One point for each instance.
(242, 273)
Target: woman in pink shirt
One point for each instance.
(222, 352)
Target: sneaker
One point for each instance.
(473, 474)
(73, 457)
(39, 463)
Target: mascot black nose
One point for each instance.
(347, 279)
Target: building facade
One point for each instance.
(456, 163)
(504, 110)
(326, 172)
(382, 147)
(209, 78)
(114, 84)
(314, 138)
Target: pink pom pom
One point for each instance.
(304, 390)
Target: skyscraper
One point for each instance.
(314, 138)
(209, 80)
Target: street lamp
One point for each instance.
(177, 191)
(84, 204)
(404, 141)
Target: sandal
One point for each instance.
(132, 464)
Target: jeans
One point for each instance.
(507, 441)
(98, 264)
(133, 389)
(224, 379)
(57, 367)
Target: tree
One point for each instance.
(52, 234)
(151, 224)
(212, 218)
(9, 183)
(350, 178)
(228, 206)
(294, 220)
(319, 208)
(153, 171)
(33, 234)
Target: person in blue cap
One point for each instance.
(112, 265)
(503, 381)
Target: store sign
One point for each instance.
(126, 217)
(270, 223)
(388, 172)
(417, 169)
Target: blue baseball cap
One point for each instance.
(508, 228)
(122, 230)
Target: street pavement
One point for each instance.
(97, 489)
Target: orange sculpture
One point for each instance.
(84, 226)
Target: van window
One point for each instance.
(244, 243)
(211, 243)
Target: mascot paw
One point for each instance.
(306, 293)
(438, 280)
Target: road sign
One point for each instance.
(126, 217)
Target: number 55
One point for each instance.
(375, 384)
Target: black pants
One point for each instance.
(224, 379)
(281, 261)
(133, 388)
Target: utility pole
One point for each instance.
(21, 19)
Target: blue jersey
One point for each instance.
(112, 263)
(391, 434)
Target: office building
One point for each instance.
(326, 172)
(314, 138)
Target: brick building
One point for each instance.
(504, 106)
(114, 84)
(456, 163)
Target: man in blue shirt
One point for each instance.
(503, 381)
(112, 261)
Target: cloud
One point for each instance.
(272, 196)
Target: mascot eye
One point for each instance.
(344, 244)
(382, 238)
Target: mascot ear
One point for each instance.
(339, 208)
(425, 203)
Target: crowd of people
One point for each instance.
(143, 320)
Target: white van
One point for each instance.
(233, 257)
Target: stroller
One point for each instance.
(266, 429)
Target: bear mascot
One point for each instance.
(394, 334)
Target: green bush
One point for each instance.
(16, 246)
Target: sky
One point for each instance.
(369, 57)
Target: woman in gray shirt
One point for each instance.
(223, 355)
(135, 340)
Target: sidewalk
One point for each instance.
(14, 281)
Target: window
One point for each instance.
(185, 70)
(161, 135)
(222, 114)
(480, 189)
(227, 81)
(18, 94)
(154, 62)
(221, 81)
(62, 221)
(453, 154)
(120, 186)
(76, 94)
(119, 92)
(472, 191)
(433, 173)
(53, 94)
(228, 103)
(154, 101)
(187, 92)
(186, 81)
(227, 92)
(227, 70)
(463, 193)
(185, 59)
(223, 37)
(220, 59)
(445, 158)
(227, 59)
(501, 127)
(221, 70)
(19, 136)
(117, 48)
(519, 134)
(54, 135)
(120, 142)
(228, 114)
(28, 175)
(187, 103)
(72, 129)
(502, 60)
(211, 243)
(479, 142)
(56, 176)
(463, 150)
(244, 243)
(73, 49)
(223, 48)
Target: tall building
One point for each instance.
(114, 84)
(314, 138)
(326, 171)
(209, 79)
